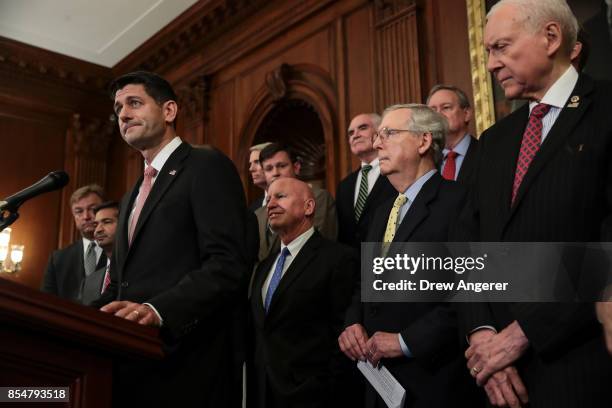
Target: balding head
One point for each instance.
(291, 208)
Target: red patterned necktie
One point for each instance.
(530, 145)
(450, 166)
(145, 189)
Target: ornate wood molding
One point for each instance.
(391, 9)
(37, 63)
(277, 81)
(398, 65)
(198, 26)
(484, 114)
(194, 98)
(92, 136)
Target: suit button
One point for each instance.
(373, 310)
(125, 284)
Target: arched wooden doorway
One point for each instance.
(296, 106)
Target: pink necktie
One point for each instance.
(450, 166)
(107, 279)
(145, 189)
(532, 138)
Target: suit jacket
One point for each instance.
(255, 205)
(436, 375)
(351, 232)
(469, 162)
(189, 259)
(565, 196)
(296, 361)
(325, 221)
(66, 271)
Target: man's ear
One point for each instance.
(297, 166)
(170, 110)
(309, 207)
(468, 115)
(426, 141)
(552, 31)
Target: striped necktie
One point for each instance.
(363, 191)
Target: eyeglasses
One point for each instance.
(385, 133)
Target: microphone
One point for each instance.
(52, 181)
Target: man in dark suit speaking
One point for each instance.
(299, 298)
(544, 175)
(180, 255)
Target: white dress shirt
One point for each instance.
(295, 247)
(372, 177)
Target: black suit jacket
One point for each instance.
(295, 360)
(66, 271)
(469, 163)
(351, 232)
(566, 196)
(189, 259)
(436, 375)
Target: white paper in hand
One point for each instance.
(389, 389)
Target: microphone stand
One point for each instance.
(7, 217)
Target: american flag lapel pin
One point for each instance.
(172, 172)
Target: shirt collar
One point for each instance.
(412, 191)
(162, 157)
(460, 148)
(560, 91)
(374, 163)
(296, 245)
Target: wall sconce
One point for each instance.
(13, 262)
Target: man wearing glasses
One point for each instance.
(416, 342)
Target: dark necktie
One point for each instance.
(145, 189)
(450, 166)
(90, 258)
(532, 138)
(363, 191)
(276, 277)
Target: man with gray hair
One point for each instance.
(417, 342)
(68, 268)
(544, 175)
(257, 174)
(461, 148)
(361, 192)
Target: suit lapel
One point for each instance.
(558, 134)
(468, 161)
(166, 176)
(419, 209)
(297, 267)
(377, 189)
(258, 281)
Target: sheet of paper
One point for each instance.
(384, 383)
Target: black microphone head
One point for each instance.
(60, 177)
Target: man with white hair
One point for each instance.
(416, 342)
(361, 192)
(545, 175)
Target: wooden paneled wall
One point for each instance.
(230, 62)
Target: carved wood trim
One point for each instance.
(397, 53)
(40, 64)
(303, 82)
